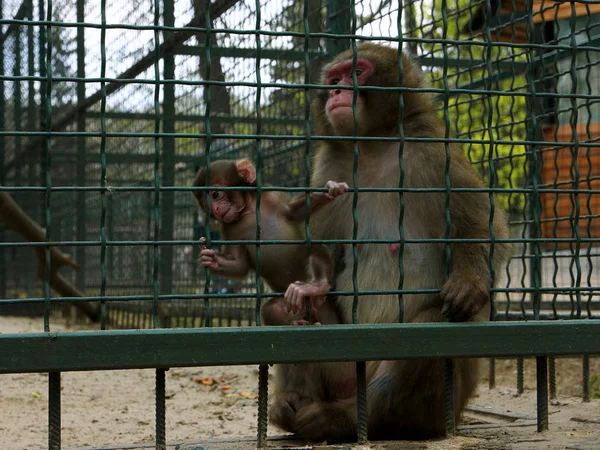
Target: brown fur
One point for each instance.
(405, 398)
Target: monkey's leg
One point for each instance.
(296, 386)
(406, 398)
(323, 311)
(331, 415)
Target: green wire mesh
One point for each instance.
(108, 109)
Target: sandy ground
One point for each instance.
(215, 408)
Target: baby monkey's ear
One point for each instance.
(246, 170)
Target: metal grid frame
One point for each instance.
(540, 338)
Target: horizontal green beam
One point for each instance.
(235, 52)
(116, 158)
(215, 118)
(131, 349)
(465, 63)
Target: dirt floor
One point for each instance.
(215, 408)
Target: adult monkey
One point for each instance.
(405, 398)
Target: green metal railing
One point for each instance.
(101, 153)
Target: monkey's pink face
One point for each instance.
(339, 104)
(224, 206)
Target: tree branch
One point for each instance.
(15, 219)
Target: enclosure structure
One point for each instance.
(106, 112)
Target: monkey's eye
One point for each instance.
(215, 195)
(359, 72)
(335, 81)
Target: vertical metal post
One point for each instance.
(534, 133)
(492, 373)
(520, 387)
(161, 438)
(541, 363)
(362, 425)
(80, 233)
(110, 225)
(339, 21)
(17, 106)
(31, 106)
(2, 148)
(449, 389)
(263, 388)
(54, 411)
(536, 261)
(54, 400)
(362, 414)
(165, 232)
(449, 397)
(552, 376)
(167, 204)
(43, 118)
(585, 369)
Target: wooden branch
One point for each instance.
(15, 219)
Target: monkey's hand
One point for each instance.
(295, 293)
(335, 189)
(208, 258)
(464, 295)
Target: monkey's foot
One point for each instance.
(300, 322)
(330, 421)
(282, 412)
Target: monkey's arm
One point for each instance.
(320, 265)
(296, 210)
(467, 290)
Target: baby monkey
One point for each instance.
(283, 266)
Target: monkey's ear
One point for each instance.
(246, 170)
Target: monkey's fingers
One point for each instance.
(202, 240)
(336, 189)
(287, 300)
(205, 252)
(299, 291)
(298, 303)
(210, 262)
(290, 300)
(314, 289)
